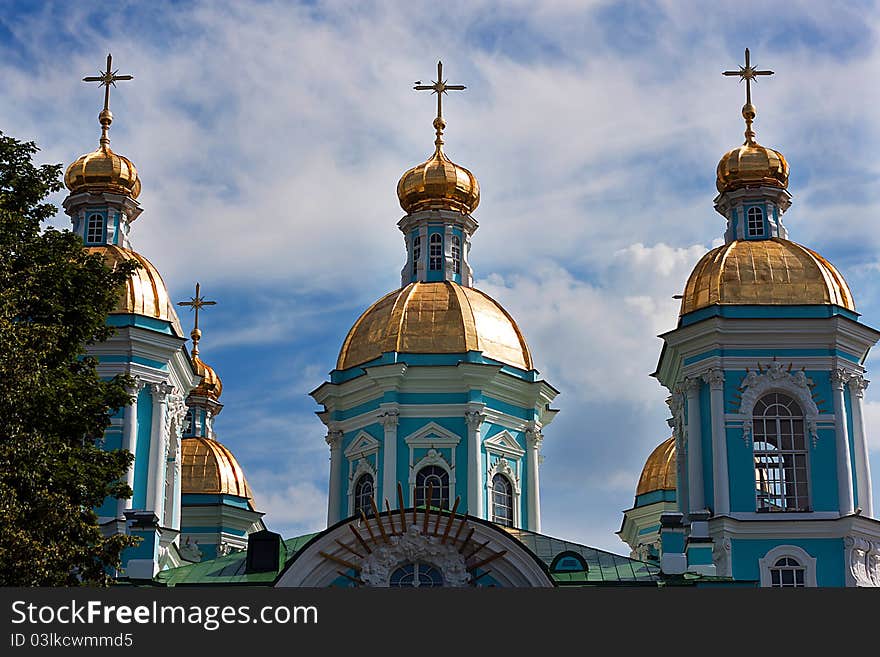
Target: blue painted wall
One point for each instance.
(142, 449)
(828, 552)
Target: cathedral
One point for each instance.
(435, 414)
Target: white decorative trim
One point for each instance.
(504, 444)
(800, 555)
(354, 474)
(721, 557)
(433, 457)
(362, 445)
(432, 435)
(777, 377)
(413, 546)
(863, 561)
(511, 473)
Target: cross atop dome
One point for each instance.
(748, 73)
(439, 87)
(107, 79)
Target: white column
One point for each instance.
(390, 419)
(696, 498)
(475, 486)
(534, 438)
(857, 385)
(158, 451)
(334, 440)
(844, 464)
(721, 477)
(129, 442)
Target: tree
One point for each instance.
(54, 408)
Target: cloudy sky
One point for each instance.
(270, 136)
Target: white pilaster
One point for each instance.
(334, 440)
(857, 385)
(844, 464)
(721, 478)
(534, 438)
(129, 442)
(696, 498)
(390, 419)
(475, 419)
(158, 451)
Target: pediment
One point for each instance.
(432, 435)
(504, 443)
(363, 443)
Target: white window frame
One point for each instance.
(102, 227)
(756, 228)
(456, 254)
(435, 245)
(360, 454)
(439, 442)
(508, 462)
(800, 555)
(417, 253)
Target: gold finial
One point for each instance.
(195, 303)
(439, 87)
(106, 79)
(748, 73)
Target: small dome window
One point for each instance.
(456, 254)
(755, 222)
(435, 252)
(417, 253)
(95, 229)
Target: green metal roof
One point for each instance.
(602, 567)
(230, 570)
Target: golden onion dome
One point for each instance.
(773, 272)
(436, 318)
(751, 164)
(438, 183)
(210, 386)
(659, 471)
(145, 292)
(208, 466)
(103, 171)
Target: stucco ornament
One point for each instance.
(413, 546)
(863, 561)
(778, 377)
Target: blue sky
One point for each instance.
(270, 136)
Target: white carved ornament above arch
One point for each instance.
(776, 377)
(362, 445)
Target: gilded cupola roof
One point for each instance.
(436, 318)
(144, 292)
(751, 164)
(208, 466)
(771, 271)
(659, 471)
(438, 183)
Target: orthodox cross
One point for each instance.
(439, 87)
(195, 303)
(106, 79)
(748, 73)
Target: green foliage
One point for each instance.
(54, 300)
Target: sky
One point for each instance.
(269, 138)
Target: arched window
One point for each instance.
(435, 252)
(417, 253)
(502, 501)
(780, 454)
(437, 479)
(456, 254)
(95, 229)
(787, 573)
(363, 494)
(755, 222)
(417, 575)
(568, 562)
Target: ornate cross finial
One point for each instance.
(106, 79)
(439, 87)
(195, 303)
(748, 73)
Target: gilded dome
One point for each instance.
(659, 470)
(103, 171)
(210, 386)
(440, 184)
(751, 164)
(435, 318)
(773, 272)
(145, 292)
(208, 466)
